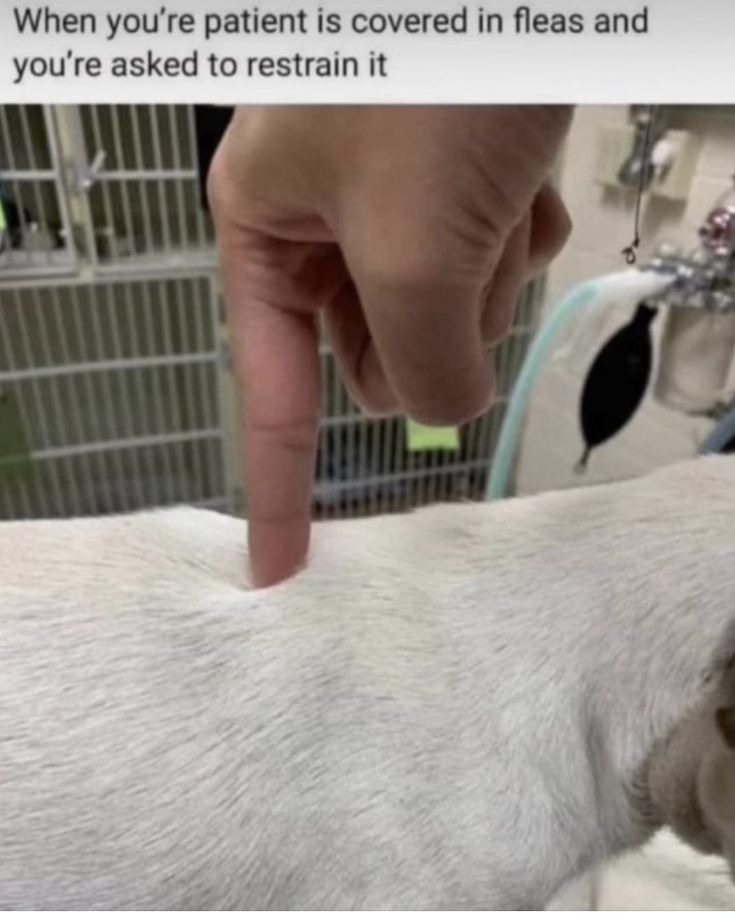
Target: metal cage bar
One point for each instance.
(114, 376)
(115, 384)
(143, 188)
(38, 238)
(364, 466)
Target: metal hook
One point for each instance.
(630, 252)
(88, 176)
(631, 256)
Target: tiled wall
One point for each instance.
(603, 225)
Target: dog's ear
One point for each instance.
(726, 724)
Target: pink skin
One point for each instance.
(409, 232)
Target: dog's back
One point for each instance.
(170, 738)
(406, 724)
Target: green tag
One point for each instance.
(424, 437)
(15, 454)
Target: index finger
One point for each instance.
(276, 357)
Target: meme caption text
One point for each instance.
(122, 44)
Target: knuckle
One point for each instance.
(294, 436)
(219, 182)
(403, 270)
(236, 171)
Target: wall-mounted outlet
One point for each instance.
(679, 149)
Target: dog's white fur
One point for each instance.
(459, 708)
(664, 875)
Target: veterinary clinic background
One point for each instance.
(272, 280)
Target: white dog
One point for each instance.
(459, 708)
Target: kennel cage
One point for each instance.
(137, 167)
(109, 397)
(115, 389)
(36, 235)
(118, 183)
(367, 466)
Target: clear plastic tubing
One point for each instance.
(595, 294)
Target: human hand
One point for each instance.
(410, 231)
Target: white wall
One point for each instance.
(603, 225)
